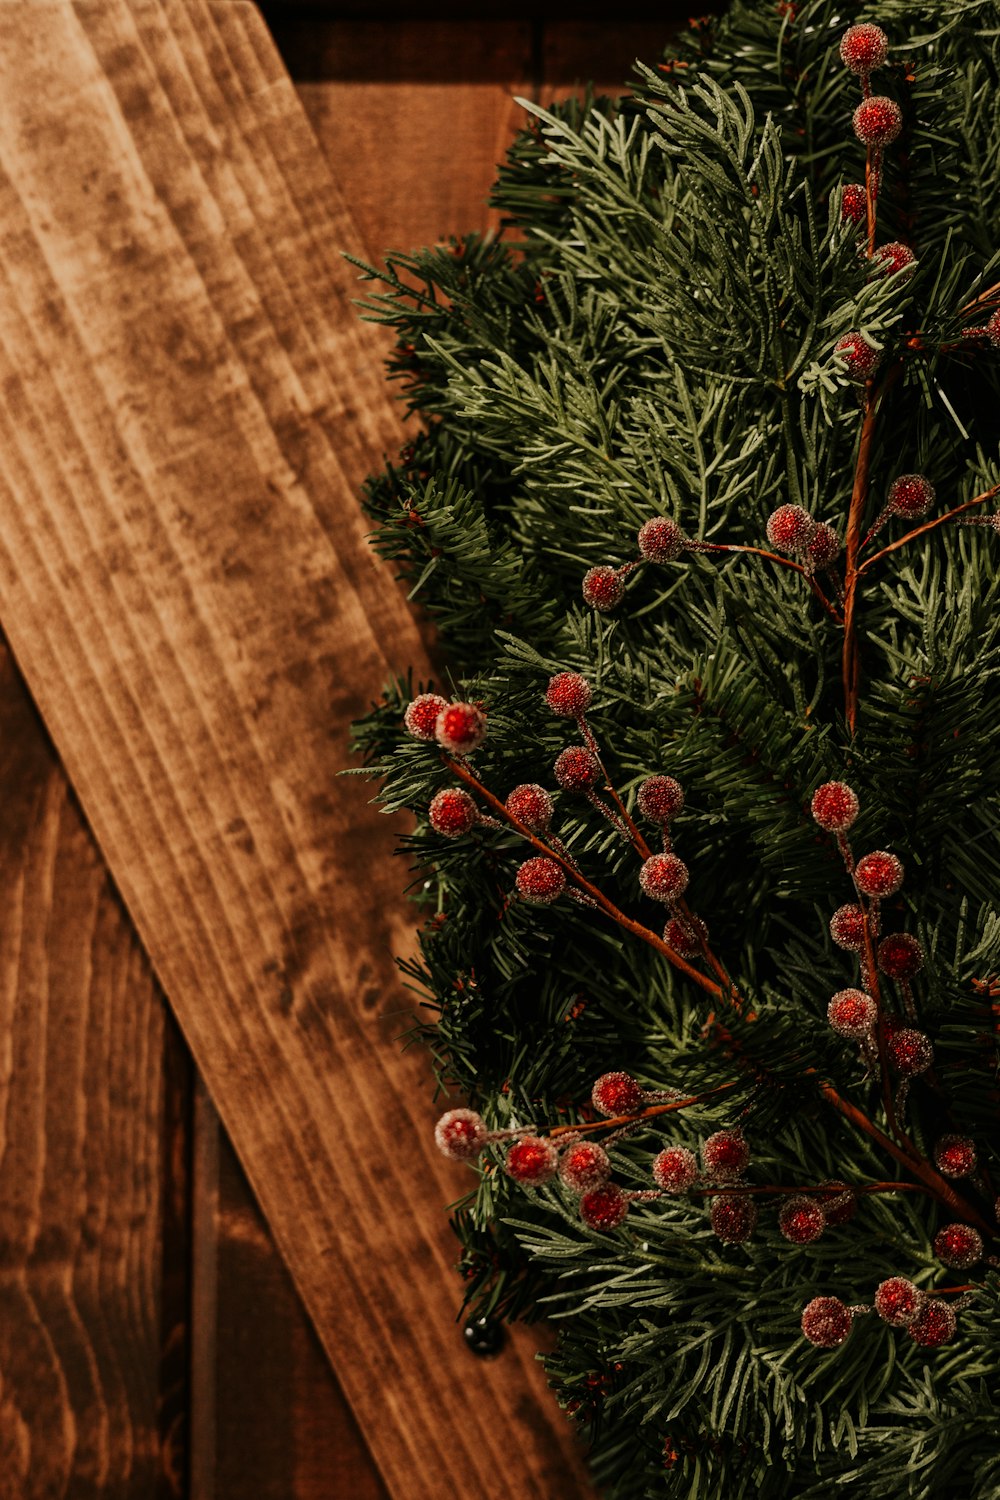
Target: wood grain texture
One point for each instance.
(92, 1326)
(188, 404)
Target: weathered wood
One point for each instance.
(92, 1328)
(188, 403)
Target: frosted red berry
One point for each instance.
(576, 770)
(864, 48)
(790, 528)
(660, 798)
(604, 1207)
(801, 1220)
(834, 806)
(531, 805)
(733, 1217)
(826, 1322)
(955, 1156)
(422, 714)
(664, 877)
(824, 546)
(584, 1166)
(909, 1052)
(660, 540)
(860, 358)
(900, 955)
(616, 1094)
(958, 1246)
(675, 1169)
(540, 881)
(839, 1202)
(568, 694)
(847, 928)
(685, 935)
(992, 329)
(878, 874)
(910, 496)
(898, 1301)
(726, 1155)
(602, 588)
(532, 1160)
(460, 728)
(877, 121)
(852, 1014)
(934, 1325)
(893, 257)
(452, 812)
(853, 203)
(461, 1134)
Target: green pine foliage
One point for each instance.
(654, 335)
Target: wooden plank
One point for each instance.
(92, 1323)
(187, 405)
(574, 53)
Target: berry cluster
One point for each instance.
(660, 541)
(927, 1318)
(792, 530)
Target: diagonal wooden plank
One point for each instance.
(188, 402)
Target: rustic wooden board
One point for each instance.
(188, 404)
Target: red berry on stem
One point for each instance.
(992, 329)
(460, 728)
(900, 955)
(422, 714)
(826, 1322)
(664, 877)
(834, 806)
(660, 540)
(531, 1160)
(824, 547)
(853, 203)
(839, 1202)
(959, 1246)
(847, 928)
(909, 1052)
(660, 798)
(790, 528)
(852, 1013)
(955, 1156)
(888, 259)
(801, 1220)
(733, 1217)
(584, 1166)
(726, 1155)
(934, 1324)
(864, 48)
(568, 694)
(878, 874)
(898, 1301)
(602, 588)
(910, 496)
(675, 1169)
(531, 805)
(540, 881)
(617, 1094)
(877, 121)
(685, 934)
(576, 770)
(452, 812)
(860, 358)
(460, 1134)
(604, 1207)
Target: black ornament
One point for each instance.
(484, 1337)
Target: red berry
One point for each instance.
(602, 588)
(877, 121)
(859, 356)
(617, 1094)
(900, 955)
(660, 540)
(540, 881)
(909, 1052)
(839, 1203)
(460, 1134)
(660, 798)
(847, 928)
(452, 812)
(955, 1156)
(576, 770)
(992, 329)
(801, 1220)
(531, 805)
(898, 1301)
(604, 1207)
(460, 728)
(826, 1322)
(733, 1217)
(878, 874)
(824, 547)
(568, 694)
(852, 1013)
(675, 1169)
(583, 1166)
(910, 496)
(934, 1324)
(959, 1246)
(853, 203)
(422, 714)
(790, 528)
(664, 877)
(685, 935)
(531, 1160)
(834, 806)
(725, 1155)
(864, 48)
(894, 257)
